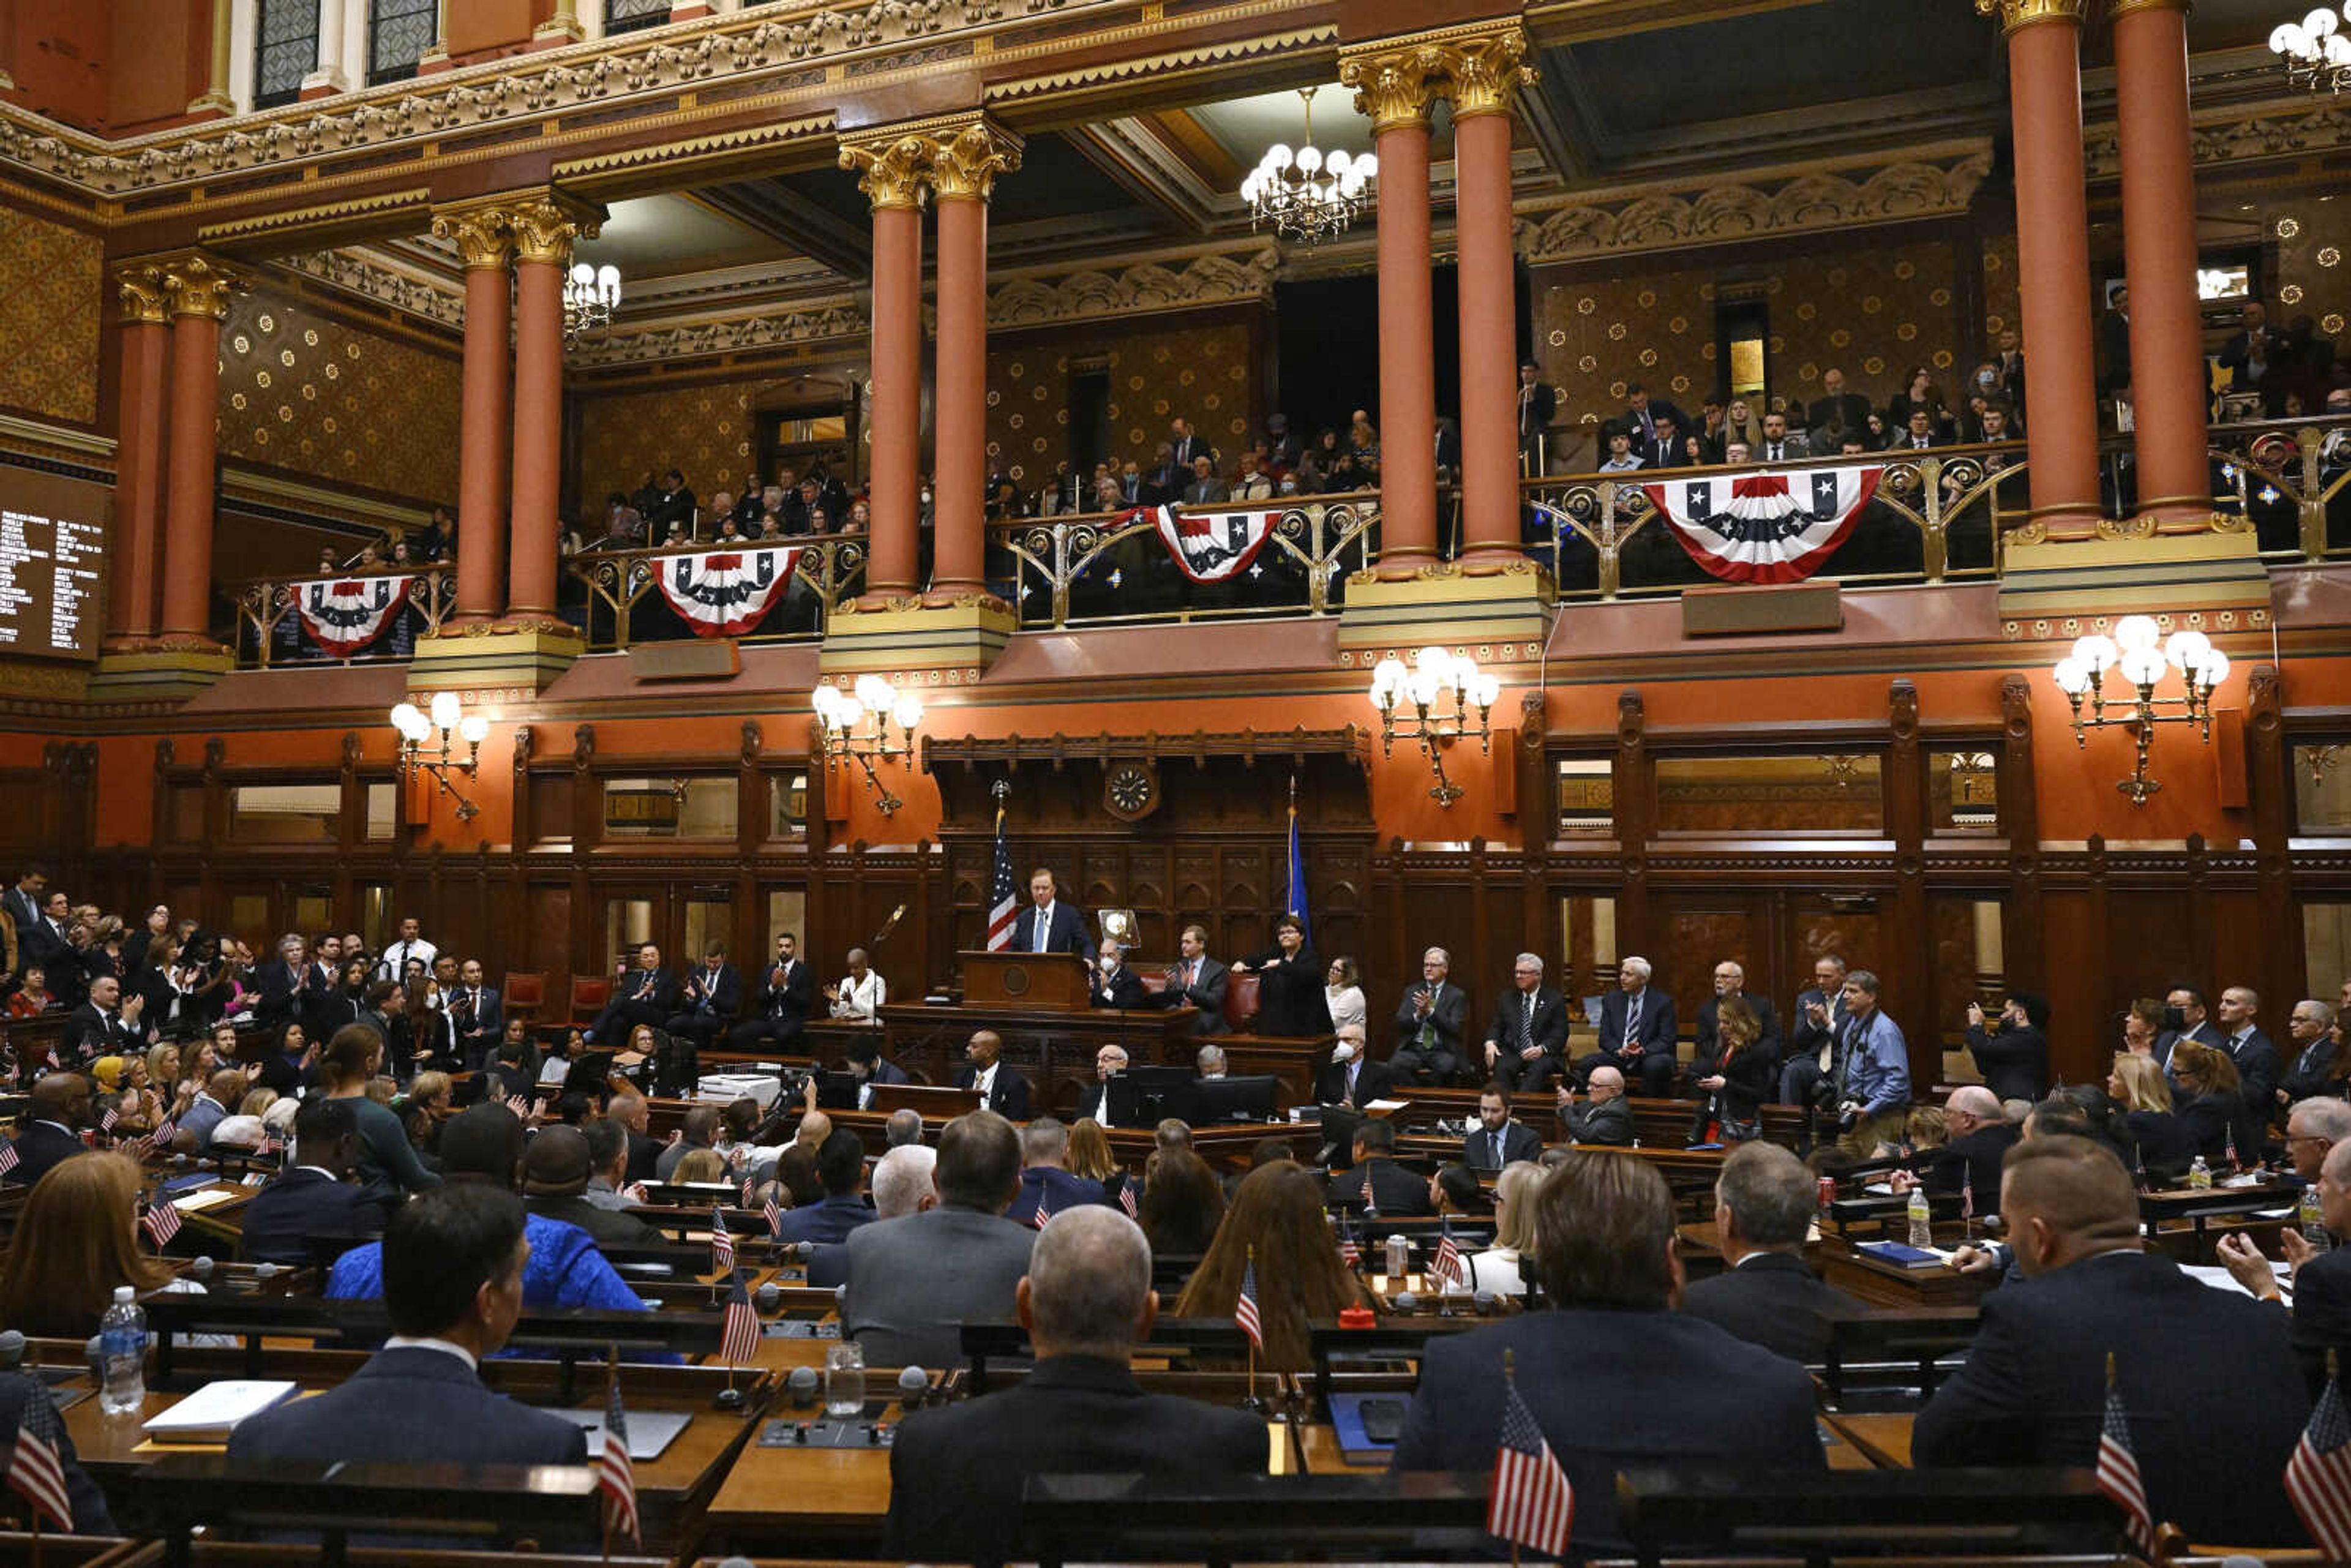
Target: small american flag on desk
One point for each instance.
(738, 1339)
(616, 1477)
(1532, 1503)
(35, 1471)
(163, 1222)
(2117, 1468)
(1245, 1311)
(722, 1243)
(2318, 1476)
(7, 1155)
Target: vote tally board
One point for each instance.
(52, 586)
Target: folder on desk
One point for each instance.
(212, 1412)
(650, 1431)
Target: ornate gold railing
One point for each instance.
(269, 629)
(2290, 473)
(1098, 567)
(607, 591)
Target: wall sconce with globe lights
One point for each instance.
(856, 725)
(1435, 679)
(2133, 651)
(447, 716)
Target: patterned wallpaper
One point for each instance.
(1197, 372)
(1872, 311)
(2001, 306)
(704, 431)
(2312, 237)
(302, 390)
(52, 281)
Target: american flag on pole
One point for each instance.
(35, 1471)
(616, 1477)
(163, 1222)
(1003, 896)
(1532, 1503)
(721, 1245)
(2318, 1476)
(1447, 1265)
(1245, 1311)
(747, 1190)
(774, 1213)
(1043, 1216)
(1351, 1256)
(2118, 1466)
(7, 1155)
(1126, 1197)
(739, 1339)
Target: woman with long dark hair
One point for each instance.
(1277, 1220)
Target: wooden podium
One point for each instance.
(1046, 982)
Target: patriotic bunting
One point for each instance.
(725, 593)
(345, 615)
(1766, 527)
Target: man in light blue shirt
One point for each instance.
(1875, 1096)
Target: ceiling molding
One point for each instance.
(845, 248)
(366, 275)
(1144, 288)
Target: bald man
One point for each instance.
(60, 1110)
(1977, 1137)
(956, 1471)
(2205, 1378)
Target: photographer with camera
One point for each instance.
(1871, 1080)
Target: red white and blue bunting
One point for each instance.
(1765, 527)
(724, 593)
(1212, 547)
(344, 615)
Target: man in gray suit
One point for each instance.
(1206, 489)
(913, 1282)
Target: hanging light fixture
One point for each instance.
(590, 295)
(2142, 655)
(857, 728)
(2315, 51)
(446, 714)
(1308, 195)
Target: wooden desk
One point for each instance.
(1886, 1284)
(1884, 1440)
(794, 1500)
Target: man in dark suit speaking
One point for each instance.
(1764, 1201)
(2212, 1426)
(452, 1263)
(1637, 1033)
(1048, 925)
(956, 1472)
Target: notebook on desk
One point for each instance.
(650, 1431)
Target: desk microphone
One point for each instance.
(888, 926)
(768, 1296)
(913, 1387)
(202, 1268)
(803, 1386)
(12, 1349)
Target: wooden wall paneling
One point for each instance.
(215, 818)
(1904, 779)
(748, 948)
(2022, 921)
(587, 830)
(1855, 933)
(2277, 918)
(1634, 785)
(2241, 955)
(2077, 986)
(1701, 929)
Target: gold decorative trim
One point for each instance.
(543, 228)
(353, 273)
(1486, 72)
(964, 165)
(2015, 16)
(2126, 527)
(1172, 65)
(890, 168)
(2299, 127)
(311, 217)
(485, 236)
(2119, 9)
(1394, 87)
(199, 286)
(144, 292)
(1632, 219)
(1088, 294)
(35, 435)
(697, 150)
(839, 320)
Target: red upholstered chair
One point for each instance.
(589, 995)
(1155, 985)
(1240, 1003)
(523, 992)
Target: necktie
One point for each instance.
(1526, 1019)
(1191, 974)
(1428, 1024)
(1633, 1021)
(1771, 452)
(1494, 1149)
(1043, 924)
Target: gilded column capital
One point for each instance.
(485, 236)
(1486, 72)
(1394, 86)
(2015, 16)
(965, 162)
(145, 293)
(892, 169)
(544, 227)
(199, 286)
(2119, 9)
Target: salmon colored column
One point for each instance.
(132, 617)
(2052, 245)
(894, 168)
(1393, 88)
(964, 166)
(2170, 396)
(543, 232)
(198, 290)
(486, 241)
(1486, 75)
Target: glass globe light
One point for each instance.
(2097, 652)
(1277, 156)
(2186, 651)
(876, 692)
(1340, 160)
(907, 711)
(1310, 158)
(1486, 690)
(2137, 631)
(1433, 659)
(582, 274)
(1389, 673)
(2072, 676)
(2142, 666)
(474, 728)
(2216, 669)
(446, 710)
(1422, 687)
(1368, 165)
(404, 714)
(847, 712)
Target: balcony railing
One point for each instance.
(1094, 568)
(614, 595)
(271, 629)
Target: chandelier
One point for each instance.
(589, 297)
(2083, 674)
(1435, 677)
(2316, 54)
(1307, 195)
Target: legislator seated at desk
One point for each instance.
(1612, 1375)
(482, 1145)
(1394, 1191)
(1113, 984)
(1047, 1188)
(902, 1185)
(1000, 1089)
(867, 1067)
(912, 1282)
(1498, 1139)
(1115, 1099)
(2322, 1280)
(453, 1265)
(1603, 1116)
(60, 1110)
(555, 1169)
(957, 1473)
(1976, 1139)
(316, 1201)
(840, 1166)
(2206, 1377)
(1764, 1202)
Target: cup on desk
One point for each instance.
(844, 1379)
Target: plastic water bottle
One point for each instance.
(2199, 1175)
(1922, 1218)
(122, 1347)
(2312, 1219)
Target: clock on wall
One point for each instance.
(1131, 791)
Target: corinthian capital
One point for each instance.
(144, 291)
(1394, 85)
(892, 168)
(1487, 72)
(965, 159)
(199, 286)
(544, 227)
(485, 236)
(2017, 15)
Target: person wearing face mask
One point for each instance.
(2184, 1018)
(1115, 985)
